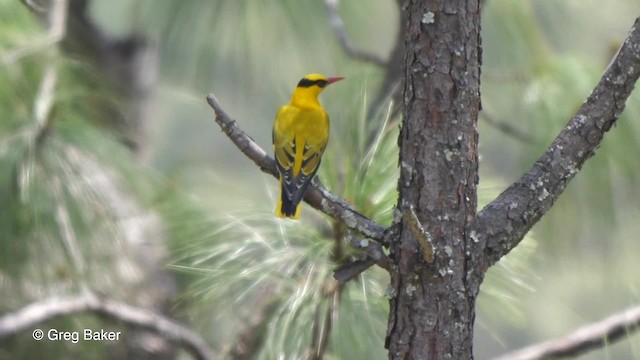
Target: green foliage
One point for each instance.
(233, 41)
(362, 159)
(74, 203)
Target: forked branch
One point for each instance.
(504, 222)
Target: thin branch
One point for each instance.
(392, 82)
(31, 5)
(506, 128)
(373, 249)
(586, 338)
(44, 99)
(375, 255)
(57, 18)
(247, 343)
(350, 271)
(335, 20)
(321, 330)
(317, 195)
(65, 227)
(504, 222)
(31, 315)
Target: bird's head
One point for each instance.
(311, 85)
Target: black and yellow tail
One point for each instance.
(286, 207)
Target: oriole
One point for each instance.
(300, 135)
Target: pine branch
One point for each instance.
(506, 128)
(586, 338)
(33, 314)
(504, 222)
(57, 19)
(247, 344)
(31, 5)
(347, 272)
(321, 328)
(337, 24)
(375, 255)
(317, 195)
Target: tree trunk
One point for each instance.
(434, 285)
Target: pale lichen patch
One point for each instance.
(543, 195)
(390, 292)
(448, 250)
(474, 236)
(350, 220)
(447, 154)
(410, 289)
(428, 18)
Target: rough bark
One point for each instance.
(432, 304)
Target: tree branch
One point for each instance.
(585, 338)
(393, 79)
(31, 5)
(504, 222)
(506, 128)
(39, 312)
(251, 337)
(321, 329)
(317, 195)
(375, 255)
(57, 21)
(335, 20)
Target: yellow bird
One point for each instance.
(300, 135)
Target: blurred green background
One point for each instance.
(128, 188)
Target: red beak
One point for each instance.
(332, 79)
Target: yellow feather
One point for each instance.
(300, 135)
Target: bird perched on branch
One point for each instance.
(300, 135)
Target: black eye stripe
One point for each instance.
(308, 83)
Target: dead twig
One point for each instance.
(586, 338)
(335, 20)
(33, 314)
(33, 6)
(57, 19)
(506, 128)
